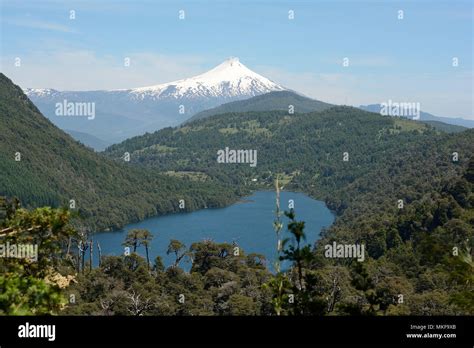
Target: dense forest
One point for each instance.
(273, 101)
(401, 188)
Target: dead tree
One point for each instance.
(91, 249)
(100, 253)
(334, 296)
(68, 249)
(79, 255)
(83, 246)
(137, 306)
(83, 249)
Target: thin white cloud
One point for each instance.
(41, 25)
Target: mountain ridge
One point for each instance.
(125, 113)
(278, 100)
(282, 100)
(425, 116)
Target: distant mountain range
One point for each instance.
(229, 87)
(424, 116)
(120, 114)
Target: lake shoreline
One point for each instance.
(248, 225)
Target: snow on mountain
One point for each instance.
(40, 92)
(230, 79)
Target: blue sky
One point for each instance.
(407, 59)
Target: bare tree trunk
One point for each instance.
(91, 249)
(100, 253)
(83, 252)
(334, 294)
(147, 258)
(68, 246)
(79, 253)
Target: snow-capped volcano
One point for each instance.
(122, 113)
(229, 79)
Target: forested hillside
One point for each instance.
(41, 165)
(445, 127)
(280, 100)
(338, 155)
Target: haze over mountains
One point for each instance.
(229, 87)
(124, 113)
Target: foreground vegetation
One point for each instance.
(426, 269)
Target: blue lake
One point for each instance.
(248, 223)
